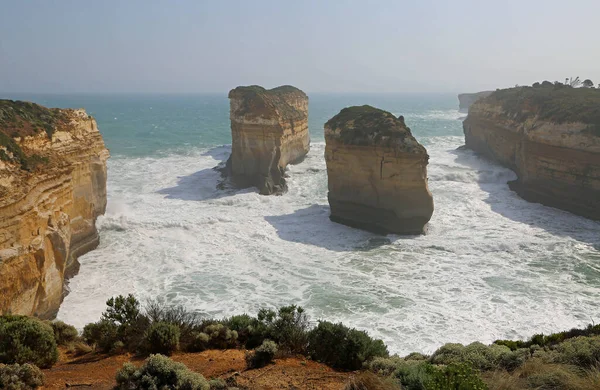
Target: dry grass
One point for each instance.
(535, 374)
(366, 380)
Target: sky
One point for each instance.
(197, 46)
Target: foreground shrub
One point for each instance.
(341, 347)
(102, 334)
(20, 377)
(121, 322)
(27, 340)
(162, 338)
(159, 372)
(480, 356)
(454, 376)
(288, 327)
(579, 351)
(217, 384)
(212, 336)
(262, 355)
(63, 333)
(369, 381)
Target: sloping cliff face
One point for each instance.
(466, 100)
(377, 172)
(549, 137)
(269, 130)
(52, 188)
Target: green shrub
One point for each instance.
(159, 372)
(27, 340)
(514, 359)
(102, 334)
(454, 376)
(413, 374)
(217, 384)
(289, 328)
(579, 351)
(187, 322)
(384, 366)
(20, 377)
(262, 355)
(64, 333)
(478, 355)
(162, 338)
(341, 347)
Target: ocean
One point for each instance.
(491, 265)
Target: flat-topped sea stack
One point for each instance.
(550, 136)
(377, 172)
(269, 130)
(466, 100)
(52, 188)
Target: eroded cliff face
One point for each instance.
(269, 130)
(466, 100)
(557, 162)
(377, 172)
(52, 189)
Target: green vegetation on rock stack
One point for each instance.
(20, 119)
(554, 103)
(367, 125)
(260, 101)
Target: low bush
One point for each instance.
(162, 338)
(413, 374)
(20, 377)
(454, 376)
(341, 347)
(368, 381)
(27, 340)
(102, 334)
(262, 355)
(579, 351)
(80, 348)
(63, 333)
(159, 372)
(217, 384)
(480, 356)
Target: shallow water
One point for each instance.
(491, 265)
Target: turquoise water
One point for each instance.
(491, 266)
(150, 125)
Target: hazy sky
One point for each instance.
(318, 46)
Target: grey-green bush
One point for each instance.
(580, 351)
(217, 384)
(341, 347)
(63, 333)
(20, 377)
(480, 356)
(27, 340)
(162, 338)
(102, 334)
(159, 372)
(262, 355)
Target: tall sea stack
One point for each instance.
(377, 172)
(52, 189)
(269, 130)
(550, 136)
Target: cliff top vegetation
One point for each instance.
(367, 125)
(19, 119)
(555, 102)
(260, 102)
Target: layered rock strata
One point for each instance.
(466, 100)
(52, 188)
(377, 172)
(549, 137)
(269, 130)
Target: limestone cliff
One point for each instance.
(269, 130)
(377, 172)
(550, 136)
(52, 188)
(466, 100)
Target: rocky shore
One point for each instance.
(377, 172)
(550, 137)
(269, 130)
(52, 189)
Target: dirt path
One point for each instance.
(94, 371)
